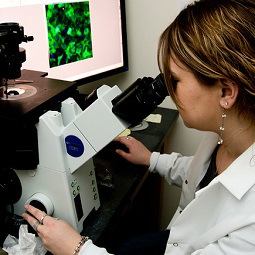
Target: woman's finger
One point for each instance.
(34, 211)
(33, 222)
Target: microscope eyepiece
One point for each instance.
(140, 99)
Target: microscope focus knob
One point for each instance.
(41, 202)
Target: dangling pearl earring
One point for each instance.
(223, 116)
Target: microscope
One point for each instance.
(11, 55)
(49, 135)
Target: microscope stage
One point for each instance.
(38, 95)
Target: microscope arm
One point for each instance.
(79, 134)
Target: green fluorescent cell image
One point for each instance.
(69, 32)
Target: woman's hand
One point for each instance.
(137, 153)
(57, 235)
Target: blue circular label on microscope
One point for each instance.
(74, 146)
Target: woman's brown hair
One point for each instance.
(215, 39)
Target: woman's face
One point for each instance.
(199, 104)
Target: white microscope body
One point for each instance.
(64, 180)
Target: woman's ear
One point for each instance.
(229, 93)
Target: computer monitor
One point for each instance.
(73, 40)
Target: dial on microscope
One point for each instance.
(41, 202)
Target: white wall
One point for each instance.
(146, 20)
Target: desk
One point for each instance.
(128, 178)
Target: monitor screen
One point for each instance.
(73, 40)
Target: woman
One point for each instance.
(207, 56)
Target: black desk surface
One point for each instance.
(127, 177)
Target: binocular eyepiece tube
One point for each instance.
(140, 99)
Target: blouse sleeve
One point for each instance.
(90, 249)
(170, 166)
